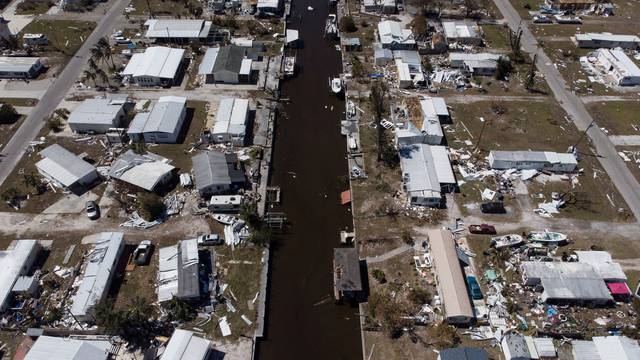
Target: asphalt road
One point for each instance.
(618, 171)
(32, 125)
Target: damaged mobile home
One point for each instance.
(178, 271)
(15, 263)
(66, 169)
(147, 171)
(533, 160)
(426, 173)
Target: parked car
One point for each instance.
(474, 288)
(209, 239)
(121, 40)
(482, 229)
(493, 208)
(92, 209)
(142, 253)
(542, 19)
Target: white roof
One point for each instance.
(269, 4)
(403, 70)
(392, 32)
(96, 111)
(460, 29)
(231, 117)
(56, 348)
(177, 28)
(142, 170)
(623, 64)
(11, 265)
(168, 273)
(573, 270)
(442, 164)
(617, 348)
(461, 57)
(208, 61)
(165, 117)
(98, 272)
(434, 107)
(156, 61)
(63, 165)
(604, 36)
(245, 67)
(17, 64)
(184, 345)
(425, 168)
(593, 257)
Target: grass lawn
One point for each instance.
(65, 36)
(163, 7)
(524, 6)
(617, 116)
(7, 131)
(496, 36)
(567, 30)
(193, 127)
(33, 7)
(538, 126)
(19, 101)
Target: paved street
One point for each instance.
(32, 125)
(621, 176)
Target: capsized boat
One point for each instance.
(504, 241)
(547, 237)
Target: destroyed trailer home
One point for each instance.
(15, 264)
(231, 121)
(426, 173)
(58, 348)
(516, 346)
(147, 171)
(20, 67)
(347, 278)
(434, 112)
(66, 169)
(605, 348)
(606, 40)
(482, 64)
(185, 345)
(533, 160)
(450, 279)
(97, 275)
(182, 31)
(393, 36)
(216, 172)
(576, 283)
(383, 6)
(178, 271)
(98, 115)
(564, 5)
(617, 68)
(462, 32)
(227, 64)
(157, 66)
(163, 124)
(409, 68)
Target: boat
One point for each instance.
(351, 109)
(224, 219)
(504, 241)
(547, 237)
(289, 66)
(336, 85)
(331, 27)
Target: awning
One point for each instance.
(345, 197)
(619, 288)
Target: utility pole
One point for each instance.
(484, 124)
(575, 146)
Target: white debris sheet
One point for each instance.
(224, 326)
(137, 222)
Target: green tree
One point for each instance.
(379, 276)
(105, 47)
(503, 68)
(420, 27)
(179, 310)
(150, 206)
(54, 123)
(347, 24)
(419, 296)
(8, 114)
(90, 75)
(108, 317)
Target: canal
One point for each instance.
(310, 167)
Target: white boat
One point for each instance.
(351, 109)
(331, 27)
(289, 65)
(547, 237)
(504, 241)
(336, 85)
(224, 219)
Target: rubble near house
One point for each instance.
(482, 64)
(15, 262)
(393, 36)
(532, 160)
(147, 171)
(462, 33)
(611, 67)
(99, 270)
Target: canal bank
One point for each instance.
(309, 165)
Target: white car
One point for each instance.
(209, 239)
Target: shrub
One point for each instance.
(150, 206)
(379, 276)
(419, 296)
(347, 24)
(8, 114)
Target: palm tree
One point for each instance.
(97, 54)
(139, 310)
(103, 44)
(92, 65)
(90, 75)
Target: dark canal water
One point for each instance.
(310, 167)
